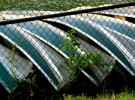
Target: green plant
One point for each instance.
(78, 55)
(31, 80)
(12, 59)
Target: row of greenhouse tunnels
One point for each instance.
(79, 51)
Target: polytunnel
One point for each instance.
(25, 45)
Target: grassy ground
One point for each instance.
(125, 95)
(52, 4)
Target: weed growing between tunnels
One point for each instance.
(14, 60)
(79, 57)
(36, 86)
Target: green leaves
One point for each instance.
(85, 59)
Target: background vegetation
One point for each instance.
(53, 4)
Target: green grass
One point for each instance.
(52, 4)
(125, 95)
